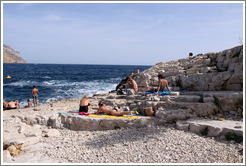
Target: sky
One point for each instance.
(120, 33)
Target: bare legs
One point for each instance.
(35, 101)
(120, 113)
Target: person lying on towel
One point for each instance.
(105, 109)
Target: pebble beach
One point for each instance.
(161, 144)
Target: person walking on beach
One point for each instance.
(35, 95)
(132, 84)
(105, 109)
(162, 84)
(29, 104)
(85, 104)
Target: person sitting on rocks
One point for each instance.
(132, 83)
(190, 55)
(162, 84)
(11, 105)
(105, 109)
(29, 104)
(4, 104)
(85, 104)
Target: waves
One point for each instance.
(63, 89)
(61, 81)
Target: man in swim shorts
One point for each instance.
(105, 109)
(35, 95)
(85, 104)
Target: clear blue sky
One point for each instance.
(134, 34)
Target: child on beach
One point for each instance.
(29, 104)
(105, 109)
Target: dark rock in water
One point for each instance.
(120, 85)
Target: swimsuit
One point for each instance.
(83, 108)
(35, 96)
(9, 108)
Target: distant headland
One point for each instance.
(11, 56)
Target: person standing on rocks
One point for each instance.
(105, 109)
(35, 95)
(85, 104)
(162, 84)
(132, 84)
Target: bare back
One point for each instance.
(105, 109)
(85, 102)
(35, 91)
(11, 104)
(163, 83)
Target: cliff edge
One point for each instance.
(11, 56)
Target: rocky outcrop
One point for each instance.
(11, 56)
(222, 71)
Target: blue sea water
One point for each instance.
(61, 81)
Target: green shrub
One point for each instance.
(116, 127)
(216, 101)
(201, 98)
(189, 67)
(205, 131)
(230, 135)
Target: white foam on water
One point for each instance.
(21, 83)
(46, 77)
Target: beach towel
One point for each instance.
(164, 93)
(102, 115)
(128, 116)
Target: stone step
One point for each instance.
(83, 123)
(200, 109)
(211, 128)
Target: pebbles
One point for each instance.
(161, 144)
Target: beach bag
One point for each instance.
(149, 111)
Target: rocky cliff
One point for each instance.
(11, 56)
(203, 72)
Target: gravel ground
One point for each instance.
(163, 144)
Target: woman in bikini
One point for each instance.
(105, 109)
(85, 104)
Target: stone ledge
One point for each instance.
(215, 128)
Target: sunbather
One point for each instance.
(105, 109)
(11, 105)
(85, 104)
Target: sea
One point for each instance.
(61, 81)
